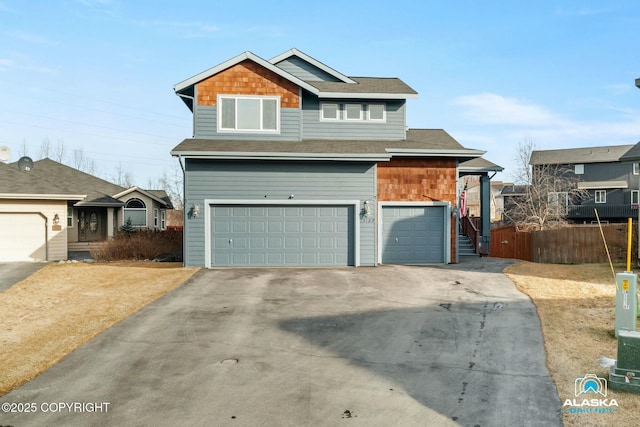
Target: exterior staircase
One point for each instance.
(465, 247)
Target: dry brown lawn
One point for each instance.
(576, 305)
(62, 306)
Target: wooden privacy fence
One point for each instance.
(579, 244)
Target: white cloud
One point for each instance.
(490, 108)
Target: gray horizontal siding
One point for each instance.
(393, 128)
(276, 181)
(206, 127)
(304, 71)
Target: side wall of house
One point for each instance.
(419, 180)
(275, 180)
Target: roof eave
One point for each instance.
(413, 152)
(32, 196)
(227, 155)
(368, 95)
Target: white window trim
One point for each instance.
(70, 217)
(125, 209)
(235, 97)
(346, 116)
(156, 218)
(163, 219)
(579, 169)
(636, 168)
(602, 198)
(329, 119)
(635, 194)
(384, 114)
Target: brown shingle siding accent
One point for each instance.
(248, 78)
(414, 180)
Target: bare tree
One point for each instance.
(45, 148)
(60, 151)
(83, 163)
(545, 191)
(172, 183)
(123, 176)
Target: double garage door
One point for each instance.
(22, 237)
(413, 234)
(274, 235)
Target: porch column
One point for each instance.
(109, 223)
(485, 213)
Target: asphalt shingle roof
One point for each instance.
(16, 181)
(579, 155)
(365, 85)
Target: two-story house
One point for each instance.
(607, 176)
(293, 163)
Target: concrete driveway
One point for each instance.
(383, 346)
(14, 272)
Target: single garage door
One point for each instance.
(282, 235)
(22, 237)
(413, 234)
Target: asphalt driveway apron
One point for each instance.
(368, 346)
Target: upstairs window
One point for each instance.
(579, 169)
(376, 112)
(634, 197)
(601, 196)
(635, 168)
(248, 114)
(365, 113)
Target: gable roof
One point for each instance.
(18, 184)
(602, 154)
(632, 155)
(418, 143)
(159, 196)
(295, 52)
(355, 87)
(95, 191)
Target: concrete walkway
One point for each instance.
(368, 346)
(14, 272)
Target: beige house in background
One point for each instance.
(473, 197)
(53, 209)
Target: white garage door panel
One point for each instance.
(22, 237)
(304, 235)
(413, 234)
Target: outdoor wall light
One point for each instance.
(291, 197)
(56, 219)
(195, 210)
(366, 209)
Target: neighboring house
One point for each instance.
(293, 163)
(92, 214)
(609, 176)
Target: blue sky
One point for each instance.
(98, 75)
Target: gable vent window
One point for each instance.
(248, 114)
(136, 211)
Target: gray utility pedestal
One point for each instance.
(625, 376)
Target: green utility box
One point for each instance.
(626, 301)
(625, 376)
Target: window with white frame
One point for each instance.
(353, 111)
(248, 113)
(330, 112)
(156, 218)
(163, 219)
(636, 168)
(376, 112)
(135, 211)
(634, 197)
(69, 216)
(579, 169)
(601, 196)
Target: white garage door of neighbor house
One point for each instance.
(413, 234)
(22, 237)
(300, 235)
